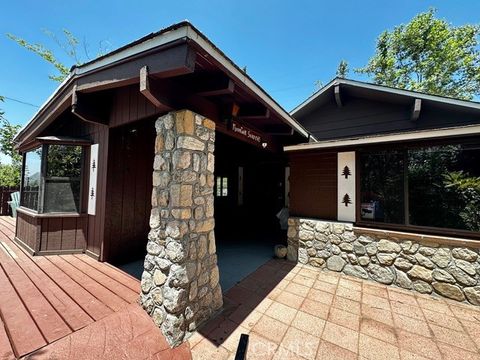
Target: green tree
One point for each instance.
(342, 70)
(9, 173)
(428, 55)
(76, 51)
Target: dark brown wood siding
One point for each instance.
(362, 117)
(27, 230)
(130, 105)
(63, 234)
(129, 194)
(313, 185)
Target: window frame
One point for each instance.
(43, 172)
(406, 227)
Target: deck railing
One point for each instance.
(5, 192)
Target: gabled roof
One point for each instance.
(178, 32)
(381, 90)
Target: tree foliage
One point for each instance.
(76, 50)
(342, 70)
(428, 55)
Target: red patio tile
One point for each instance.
(377, 314)
(374, 289)
(376, 301)
(402, 296)
(301, 343)
(341, 336)
(454, 353)
(434, 304)
(443, 320)
(329, 351)
(315, 308)
(320, 296)
(452, 337)
(281, 312)
(325, 286)
(206, 350)
(328, 277)
(260, 347)
(290, 299)
(411, 325)
(309, 323)
(378, 330)
(271, 329)
(297, 289)
(407, 310)
(344, 318)
(349, 283)
(303, 280)
(346, 305)
(348, 293)
(418, 345)
(374, 349)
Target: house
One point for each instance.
(164, 155)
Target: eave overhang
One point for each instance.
(183, 32)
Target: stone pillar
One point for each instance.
(180, 282)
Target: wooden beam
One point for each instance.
(225, 89)
(163, 63)
(262, 116)
(417, 107)
(84, 110)
(150, 91)
(338, 98)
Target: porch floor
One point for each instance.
(72, 306)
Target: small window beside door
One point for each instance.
(222, 186)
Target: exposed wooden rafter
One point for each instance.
(227, 86)
(260, 116)
(338, 97)
(85, 110)
(150, 90)
(417, 107)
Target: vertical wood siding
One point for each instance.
(313, 185)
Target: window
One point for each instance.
(435, 186)
(221, 186)
(52, 179)
(62, 178)
(31, 179)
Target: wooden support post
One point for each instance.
(417, 107)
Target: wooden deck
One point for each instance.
(47, 298)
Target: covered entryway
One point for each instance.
(249, 192)
(128, 205)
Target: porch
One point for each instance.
(56, 306)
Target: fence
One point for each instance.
(5, 192)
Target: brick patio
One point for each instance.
(296, 312)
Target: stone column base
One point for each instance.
(180, 282)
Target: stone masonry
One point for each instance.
(426, 267)
(180, 282)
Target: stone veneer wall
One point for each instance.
(450, 271)
(180, 282)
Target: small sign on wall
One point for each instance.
(92, 184)
(346, 186)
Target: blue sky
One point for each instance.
(286, 45)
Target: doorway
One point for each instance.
(128, 205)
(249, 191)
